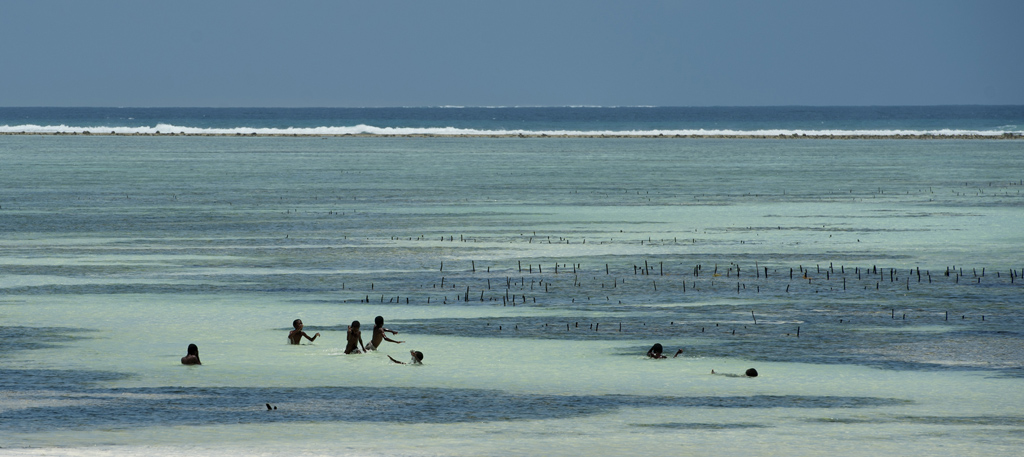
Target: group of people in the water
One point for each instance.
(354, 343)
(355, 337)
(655, 352)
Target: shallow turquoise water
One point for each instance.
(533, 273)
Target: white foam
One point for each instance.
(362, 129)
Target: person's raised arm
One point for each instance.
(393, 360)
(311, 339)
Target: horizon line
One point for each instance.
(510, 106)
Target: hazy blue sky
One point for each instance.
(510, 53)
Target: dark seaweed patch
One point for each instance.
(38, 379)
(17, 338)
(985, 420)
(90, 409)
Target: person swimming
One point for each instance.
(417, 358)
(295, 336)
(655, 351)
(750, 373)
(378, 335)
(191, 356)
(354, 338)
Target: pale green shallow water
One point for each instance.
(117, 252)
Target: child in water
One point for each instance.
(191, 356)
(378, 334)
(417, 358)
(655, 352)
(750, 373)
(295, 336)
(354, 337)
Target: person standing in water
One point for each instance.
(295, 336)
(378, 334)
(191, 356)
(354, 337)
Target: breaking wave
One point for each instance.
(363, 129)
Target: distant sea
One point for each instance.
(646, 121)
(875, 284)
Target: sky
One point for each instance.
(381, 53)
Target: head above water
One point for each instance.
(192, 356)
(417, 356)
(378, 321)
(751, 372)
(657, 348)
(297, 323)
(355, 325)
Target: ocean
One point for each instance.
(570, 121)
(874, 282)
